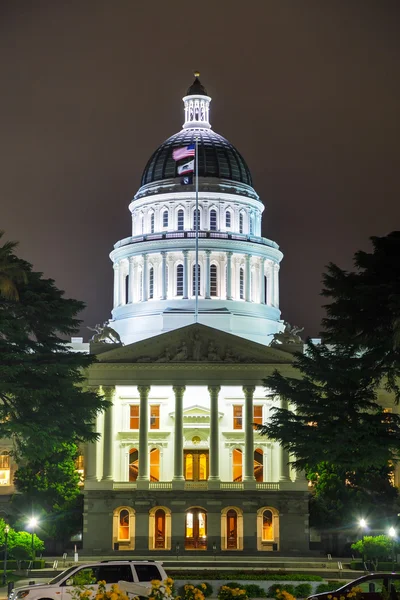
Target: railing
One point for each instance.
(160, 485)
(231, 485)
(218, 235)
(196, 485)
(124, 485)
(265, 485)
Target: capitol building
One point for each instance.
(180, 467)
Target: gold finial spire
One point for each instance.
(196, 73)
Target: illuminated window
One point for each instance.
(189, 467)
(159, 528)
(123, 529)
(155, 416)
(231, 529)
(134, 416)
(154, 464)
(189, 524)
(4, 468)
(267, 526)
(203, 462)
(151, 282)
(194, 280)
(241, 283)
(228, 218)
(213, 281)
(181, 220)
(152, 223)
(79, 466)
(237, 467)
(258, 414)
(213, 220)
(196, 218)
(165, 218)
(133, 464)
(237, 416)
(179, 280)
(258, 464)
(241, 223)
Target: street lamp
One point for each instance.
(32, 524)
(392, 535)
(6, 530)
(363, 524)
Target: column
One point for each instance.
(145, 290)
(116, 284)
(131, 279)
(90, 461)
(249, 433)
(262, 290)
(108, 439)
(207, 277)
(143, 433)
(284, 454)
(270, 285)
(185, 274)
(276, 285)
(229, 276)
(247, 275)
(214, 390)
(179, 390)
(164, 276)
(171, 277)
(135, 282)
(122, 285)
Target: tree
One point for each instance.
(20, 542)
(374, 548)
(43, 402)
(364, 309)
(10, 273)
(333, 415)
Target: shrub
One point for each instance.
(255, 591)
(275, 590)
(257, 575)
(324, 587)
(190, 592)
(303, 590)
(206, 588)
(228, 593)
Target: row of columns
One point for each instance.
(271, 271)
(143, 474)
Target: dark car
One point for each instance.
(371, 587)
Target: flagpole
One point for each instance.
(196, 279)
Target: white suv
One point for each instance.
(140, 572)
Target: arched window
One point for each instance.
(241, 283)
(154, 464)
(213, 281)
(159, 529)
(165, 218)
(228, 218)
(194, 280)
(179, 280)
(151, 282)
(196, 216)
(123, 527)
(267, 526)
(241, 223)
(181, 220)
(152, 223)
(251, 224)
(5, 468)
(133, 464)
(237, 467)
(258, 464)
(213, 220)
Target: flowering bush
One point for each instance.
(353, 594)
(160, 590)
(284, 595)
(228, 593)
(115, 593)
(190, 592)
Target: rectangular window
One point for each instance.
(165, 218)
(155, 416)
(227, 218)
(134, 416)
(258, 414)
(237, 416)
(181, 217)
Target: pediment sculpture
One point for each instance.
(290, 335)
(104, 334)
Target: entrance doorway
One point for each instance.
(196, 529)
(196, 465)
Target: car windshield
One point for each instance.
(61, 576)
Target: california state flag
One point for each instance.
(186, 168)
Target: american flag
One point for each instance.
(185, 152)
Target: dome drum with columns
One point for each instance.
(154, 282)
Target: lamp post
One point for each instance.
(6, 530)
(363, 525)
(392, 535)
(32, 523)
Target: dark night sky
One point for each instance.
(308, 91)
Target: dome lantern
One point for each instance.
(197, 106)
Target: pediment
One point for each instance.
(196, 343)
